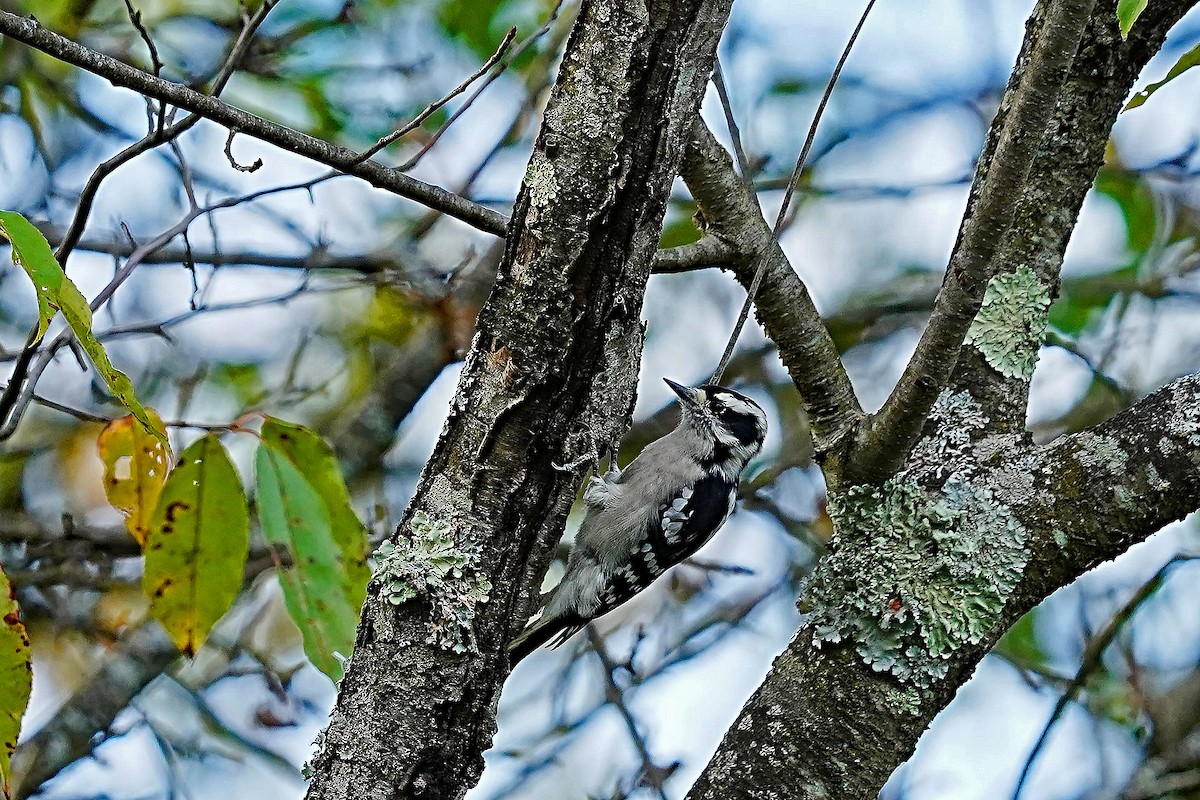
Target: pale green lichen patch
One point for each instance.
(1157, 482)
(541, 180)
(430, 566)
(1060, 537)
(1098, 454)
(927, 573)
(1009, 326)
(905, 701)
(1104, 453)
(955, 419)
(1186, 422)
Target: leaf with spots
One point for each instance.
(135, 469)
(309, 453)
(197, 543)
(15, 678)
(55, 292)
(295, 518)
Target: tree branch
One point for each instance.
(705, 253)
(31, 33)
(1113, 485)
(1080, 501)
(1078, 505)
(1050, 198)
(891, 433)
(783, 304)
(140, 657)
(1093, 655)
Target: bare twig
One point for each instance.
(416, 121)
(153, 139)
(1092, 656)
(652, 774)
(11, 397)
(31, 33)
(748, 179)
(784, 305)
(156, 65)
(255, 166)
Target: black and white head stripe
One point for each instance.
(737, 413)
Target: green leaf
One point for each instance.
(474, 22)
(295, 517)
(1133, 195)
(32, 252)
(197, 544)
(680, 227)
(16, 678)
(309, 454)
(1186, 61)
(1021, 644)
(56, 292)
(1128, 12)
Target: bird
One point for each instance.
(665, 505)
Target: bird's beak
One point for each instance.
(692, 398)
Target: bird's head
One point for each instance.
(735, 424)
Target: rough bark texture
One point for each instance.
(889, 640)
(549, 381)
(827, 725)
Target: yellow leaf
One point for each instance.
(135, 469)
(196, 548)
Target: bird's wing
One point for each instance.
(689, 518)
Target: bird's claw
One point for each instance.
(599, 488)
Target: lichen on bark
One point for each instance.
(926, 562)
(430, 567)
(926, 572)
(550, 377)
(1009, 326)
(540, 179)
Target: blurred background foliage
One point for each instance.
(323, 301)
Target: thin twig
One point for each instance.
(748, 179)
(254, 166)
(416, 121)
(31, 33)
(537, 81)
(149, 142)
(1092, 656)
(1031, 104)
(156, 65)
(820, 112)
(652, 773)
(11, 399)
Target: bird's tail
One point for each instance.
(559, 628)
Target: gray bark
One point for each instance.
(845, 703)
(549, 381)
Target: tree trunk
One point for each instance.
(547, 387)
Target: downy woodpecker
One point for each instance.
(663, 507)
